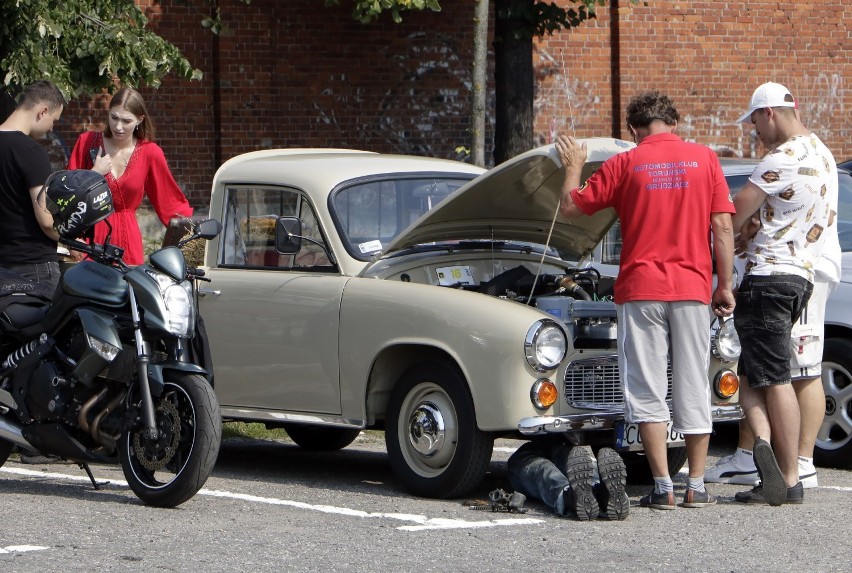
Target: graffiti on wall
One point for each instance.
(426, 112)
(564, 103)
(820, 104)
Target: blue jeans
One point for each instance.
(47, 273)
(767, 308)
(532, 472)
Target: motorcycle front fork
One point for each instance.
(142, 360)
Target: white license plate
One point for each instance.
(627, 437)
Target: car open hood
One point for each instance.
(516, 201)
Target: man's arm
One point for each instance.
(747, 201)
(43, 216)
(723, 248)
(573, 157)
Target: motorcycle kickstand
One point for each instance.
(85, 466)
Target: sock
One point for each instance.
(663, 484)
(744, 457)
(696, 483)
(807, 460)
(744, 452)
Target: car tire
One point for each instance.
(638, 470)
(321, 438)
(834, 441)
(434, 445)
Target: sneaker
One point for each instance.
(794, 495)
(580, 471)
(697, 499)
(807, 473)
(612, 490)
(658, 500)
(772, 484)
(733, 469)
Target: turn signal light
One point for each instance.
(543, 393)
(726, 384)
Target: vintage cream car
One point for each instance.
(356, 290)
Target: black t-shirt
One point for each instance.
(24, 164)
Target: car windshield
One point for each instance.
(611, 244)
(370, 214)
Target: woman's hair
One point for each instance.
(132, 101)
(648, 106)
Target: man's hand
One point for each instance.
(746, 233)
(723, 302)
(572, 154)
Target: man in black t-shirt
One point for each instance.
(27, 238)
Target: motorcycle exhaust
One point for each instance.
(11, 432)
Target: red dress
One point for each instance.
(147, 173)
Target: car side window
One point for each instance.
(249, 230)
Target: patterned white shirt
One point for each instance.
(799, 178)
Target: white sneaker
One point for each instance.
(733, 469)
(807, 473)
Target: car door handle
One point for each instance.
(205, 291)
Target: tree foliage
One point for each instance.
(541, 17)
(83, 46)
(366, 11)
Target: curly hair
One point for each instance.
(648, 106)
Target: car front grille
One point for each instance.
(593, 383)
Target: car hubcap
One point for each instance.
(426, 430)
(836, 430)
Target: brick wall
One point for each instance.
(297, 74)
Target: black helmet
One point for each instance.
(77, 198)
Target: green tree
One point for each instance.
(517, 22)
(82, 46)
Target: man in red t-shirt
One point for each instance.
(668, 194)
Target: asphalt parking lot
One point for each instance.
(272, 507)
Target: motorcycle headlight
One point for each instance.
(726, 343)
(545, 345)
(180, 307)
(178, 301)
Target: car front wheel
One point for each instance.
(433, 443)
(834, 440)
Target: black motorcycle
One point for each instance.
(105, 371)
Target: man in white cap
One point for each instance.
(787, 215)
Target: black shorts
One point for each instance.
(767, 307)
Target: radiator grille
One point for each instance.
(594, 383)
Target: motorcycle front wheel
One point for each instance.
(5, 450)
(169, 470)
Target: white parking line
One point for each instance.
(22, 548)
(419, 522)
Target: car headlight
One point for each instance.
(180, 308)
(726, 343)
(545, 345)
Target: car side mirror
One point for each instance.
(288, 235)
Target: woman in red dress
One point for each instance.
(134, 167)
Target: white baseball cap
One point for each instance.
(769, 94)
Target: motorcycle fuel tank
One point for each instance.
(88, 279)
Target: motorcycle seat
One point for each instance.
(20, 315)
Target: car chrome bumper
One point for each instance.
(540, 425)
